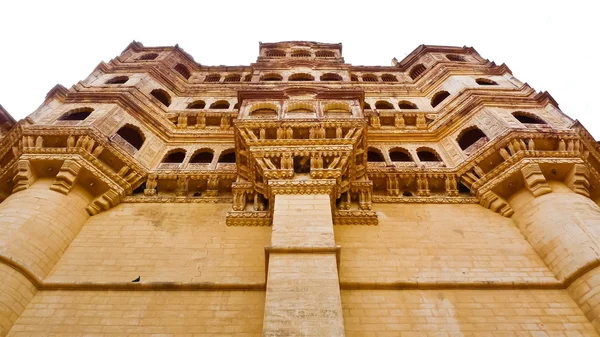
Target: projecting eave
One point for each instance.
(311, 44)
(423, 49)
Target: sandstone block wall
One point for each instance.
(15, 293)
(142, 313)
(444, 313)
(165, 243)
(438, 243)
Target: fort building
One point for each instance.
(299, 195)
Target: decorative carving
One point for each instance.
(103, 202)
(182, 186)
(578, 180)
(492, 201)
(65, 179)
(150, 186)
(24, 177)
(535, 180)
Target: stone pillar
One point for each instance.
(563, 225)
(37, 224)
(303, 292)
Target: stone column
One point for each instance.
(303, 292)
(38, 221)
(563, 225)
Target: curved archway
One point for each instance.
(264, 110)
(233, 78)
(227, 156)
(78, 114)
(132, 135)
(331, 77)
(301, 77)
(485, 81)
(148, 56)
(212, 78)
(301, 53)
(336, 107)
(439, 97)
(199, 104)
(383, 105)
(300, 107)
(162, 96)
(118, 80)
(470, 136)
(221, 104)
(455, 58)
(183, 70)
(374, 155)
(427, 154)
(271, 77)
(407, 105)
(369, 78)
(389, 78)
(399, 154)
(416, 71)
(202, 156)
(325, 53)
(175, 156)
(275, 53)
(528, 118)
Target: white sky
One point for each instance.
(552, 45)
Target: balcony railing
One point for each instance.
(123, 144)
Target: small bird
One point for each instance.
(136, 280)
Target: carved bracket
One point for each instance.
(24, 177)
(494, 202)
(535, 180)
(65, 179)
(103, 202)
(578, 180)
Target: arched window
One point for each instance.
(202, 156)
(199, 104)
(331, 77)
(78, 114)
(469, 137)
(527, 118)
(162, 96)
(367, 106)
(374, 155)
(132, 135)
(248, 78)
(439, 97)
(455, 58)
(369, 78)
(148, 56)
(485, 81)
(233, 78)
(301, 53)
(275, 53)
(227, 156)
(416, 71)
(353, 78)
(427, 155)
(175, 156)
(389, 78)
(183, 70)
(336, 107)
(212, 78)
(271, 77)
(301, 77)
(300, 107)
(264, 110)
(118, 80)
(325, 53)
(383, 105)
(399, 154)
(222, 104)
(407, 105)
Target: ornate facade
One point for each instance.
(299, 196)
